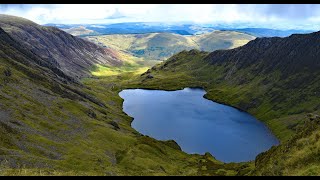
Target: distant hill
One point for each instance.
(264, 32)
(160, 46)
(80, 31)
(134, 28)
(182, 29)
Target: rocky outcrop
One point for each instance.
(266, 55)
(314, 117)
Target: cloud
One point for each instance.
(116, 15)
(278, 15)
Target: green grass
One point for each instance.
(286, 115)
(101, 70)
(132, 64)
(249, 93)
(160, 46)
(297, 156)
(50, 130)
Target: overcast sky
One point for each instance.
(282, 16)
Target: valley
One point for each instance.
(160, 46)
(61, 113)
(59, 122)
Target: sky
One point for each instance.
(281, 16)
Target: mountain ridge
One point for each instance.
(275, 79)
(72, 55)
(269, 77)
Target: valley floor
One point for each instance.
(114, 148)
(299, 149)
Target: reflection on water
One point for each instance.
(198, 125)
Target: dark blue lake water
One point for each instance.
(198, 125)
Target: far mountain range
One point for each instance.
(182, 29)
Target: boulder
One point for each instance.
(150, 76)
(115, 125)
(313, 117)
(92, 114)
(7, 72)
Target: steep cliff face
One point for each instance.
(74, 56)
(290, 55)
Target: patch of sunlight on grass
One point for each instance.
(101, 70)
(132, 64)
(105, 71)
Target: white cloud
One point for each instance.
(198, 13)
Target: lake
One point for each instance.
(198, 125)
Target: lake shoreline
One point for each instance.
(275, 142)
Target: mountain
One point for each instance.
(54, 124)
(72, 55)
(40, 108)
(182, 29)
(265, 32)
(269, 77)
(80, 31)
(135, 28)
(160, 46)
(221, 40)
(275, 79)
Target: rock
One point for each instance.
(115, 125)
(147, 72)
(194, 52)
(7, 72)
(150, 76)
(313, 117)
(173, 144)
(92, 114)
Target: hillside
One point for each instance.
(275, 79)
(74, 56)
(221, 40)
(269, 77)
(53, 125)
(160, 46)
(137, 28)
(80, 31)
(265, 32)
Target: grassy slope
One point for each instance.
(131, 154)
(189, 69)
(297, 155)
(48, 127)
(221, 40)
(130, 64)
(160, 46)
(73, 55)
